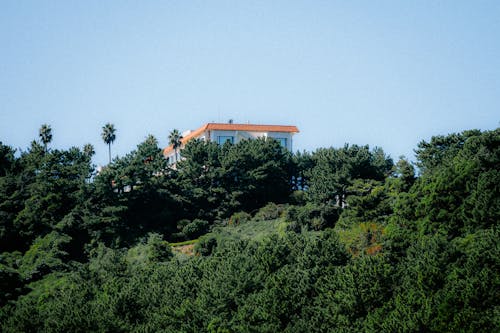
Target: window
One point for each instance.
(282, 141)
(223, 139)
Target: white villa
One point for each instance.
(234, 133)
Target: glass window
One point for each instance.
(282, 141)
(223, 139)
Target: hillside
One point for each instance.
(340, 239)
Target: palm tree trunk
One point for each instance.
(109, 146)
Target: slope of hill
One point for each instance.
(355, 243)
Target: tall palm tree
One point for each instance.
(109, 136)
(175, 140)
(45, 134)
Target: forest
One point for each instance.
(339, 239)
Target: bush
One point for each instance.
(298, 198)
(292, 213)
(182, 223)
(205, 245)
(195, 229)
(317, 217)
(150, 250)
(293, 226)
(46, 254)
(238, 218)
(271, 211)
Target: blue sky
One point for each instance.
(383, 73)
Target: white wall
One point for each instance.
(241, 135)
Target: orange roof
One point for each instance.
(251, 128)
(233, 127)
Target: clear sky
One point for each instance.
(383, 73)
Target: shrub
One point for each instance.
(195, 229)
(159, 250)
(182, 223)
(293, 226)
(238, 218)
(46, 254)
(205, 245)
(292, 214)
(313, 216)
(149, 250)
(298, 197)
(271, 211)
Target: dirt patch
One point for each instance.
(184, 249)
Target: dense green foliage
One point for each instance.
(340, 239)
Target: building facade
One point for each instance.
(234, 133)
